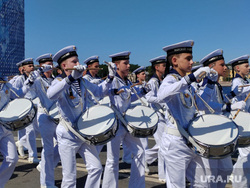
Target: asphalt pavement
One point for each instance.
(27, 176)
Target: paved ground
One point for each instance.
(26, 175)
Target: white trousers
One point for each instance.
(111, 172)
(153, 153)
(9, 152)
(28, 139)
(181, 163)
(218, 171)
(241, 169)
(50, 155)
(68, 146)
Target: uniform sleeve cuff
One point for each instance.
(109, 79)
(69, 79)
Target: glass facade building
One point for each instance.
(11, 35)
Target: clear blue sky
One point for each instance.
(104, 27)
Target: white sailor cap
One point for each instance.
(44, 58)
(239, 60)
(64, 54)
(91, 60)
(159, 59)
(139, 70)
(194, 68)
(120, 56)
(212, 57)
(181, 47)
(25, 62)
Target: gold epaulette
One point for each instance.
(59, 78)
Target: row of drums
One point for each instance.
(218, 135)
(97, 125)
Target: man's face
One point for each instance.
(94, 65)
(220, 67)
(243, 69)
(161, 67)
(69, 63)
(123, 67)
(28, 68)
(141, 76)
(184, 62)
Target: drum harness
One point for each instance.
(45, 91)
(117, 112)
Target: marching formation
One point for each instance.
(196, 127)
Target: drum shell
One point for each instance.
(137, 131)
(24, 121)
(103, 137)
(216, 151)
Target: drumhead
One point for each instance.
(213, 129)
(96, 120)
(242, 120)
(53, 111)
(105, 101)
(16, 109)
(141, 117)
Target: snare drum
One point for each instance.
(138, 102)
(242, 120)
(216, 134)
(97, 125)
(105, 101)
(18, 114)
(142, 121)
(54, 113)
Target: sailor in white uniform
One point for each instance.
(241, 174)
(176, 91)
(121, 102)
(91, 75)
(69, 90)
(39, 82)
(211, 91)
(159, 65)
(127, 155)
(7, 142)
(28, 139)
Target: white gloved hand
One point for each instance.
(112, 69)
(213, 75)
(237, 90)
(201, 73)
(32, 76)
(78, 73)
(238, 105)
(147, 87)
(45, 68)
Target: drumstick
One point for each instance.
(104, 77)
(3, 81)
(122, 90)
(239, 109)
(202, 74)
(245, 85)
(85, 69)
